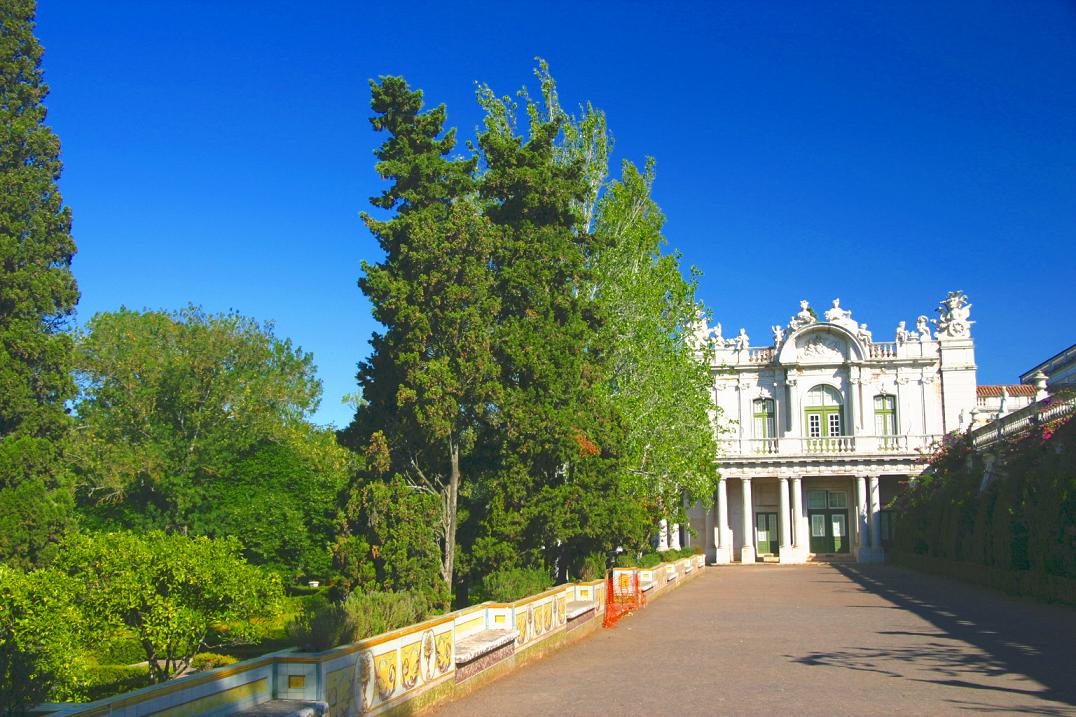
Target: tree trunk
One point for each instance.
(453, 494)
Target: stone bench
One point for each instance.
(578, 608)
(647, 586)
(578, 612)
(483, 649)
(284, 708)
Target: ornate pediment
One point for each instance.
(820, 348)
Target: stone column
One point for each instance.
(802, 529)
(794, 430)
(724, 546)
(853, 406)
(876, 522)
(708, 534)
(784, 523)
(862, 538)
(747, 553)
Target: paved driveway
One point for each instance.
(807, 640)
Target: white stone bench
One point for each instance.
(647, 586)
(471, 648)
(284, 708)
(578, 608)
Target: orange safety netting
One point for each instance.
(624, 595)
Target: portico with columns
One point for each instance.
(824, 427)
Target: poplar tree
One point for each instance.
(657, 378)
(37, 295)
(431, 376)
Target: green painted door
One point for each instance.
(766, 538)
(827, 513)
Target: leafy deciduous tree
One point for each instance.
(43, 636)
(185, 417)
(170, 590)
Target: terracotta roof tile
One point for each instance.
(1019, 389)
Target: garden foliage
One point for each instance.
(1013, 508)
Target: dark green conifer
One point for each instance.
(37, 295)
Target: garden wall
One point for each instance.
(398, 672)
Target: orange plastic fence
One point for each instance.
(624, 595)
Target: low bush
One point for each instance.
(593, 567)
(108, 680)
(321, 626)
(373, 613)
(210, 661)
(513, 584)
(124, 649)
(325, 625)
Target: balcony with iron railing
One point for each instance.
(831, 445)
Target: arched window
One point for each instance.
(885, 420)
(764, 418)
(823, 408)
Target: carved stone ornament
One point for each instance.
(744, 385)
(724, 385)
(821, 348)
(764, 393)
(953, 312)
(902, 380)
(841, 317)
(803, 318)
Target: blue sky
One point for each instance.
(219, 152)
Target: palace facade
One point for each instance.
(823, 426)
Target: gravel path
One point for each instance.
(807, 640)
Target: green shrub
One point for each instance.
(593, 567)
(372, 613)
(124, 649)
(513, 584)
(108, 680)
(650, 560)
(321, 626)
(210, 661)
(324, 625)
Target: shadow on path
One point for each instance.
(1013, 637)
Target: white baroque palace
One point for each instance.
(826, 425)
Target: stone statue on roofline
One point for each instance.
(902, 333)
(698, 337)
(742, 340)
(778, 335)
(841, 317)
(953, 312)
(864, 335)
(805, 317)
(922, 327)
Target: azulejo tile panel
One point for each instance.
(385, 672)
(443, 648)
(410, 664)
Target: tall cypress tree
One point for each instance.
(37, 295)
(555, 495)
(431, 376)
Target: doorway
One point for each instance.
(827, 512)
(767, 541)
